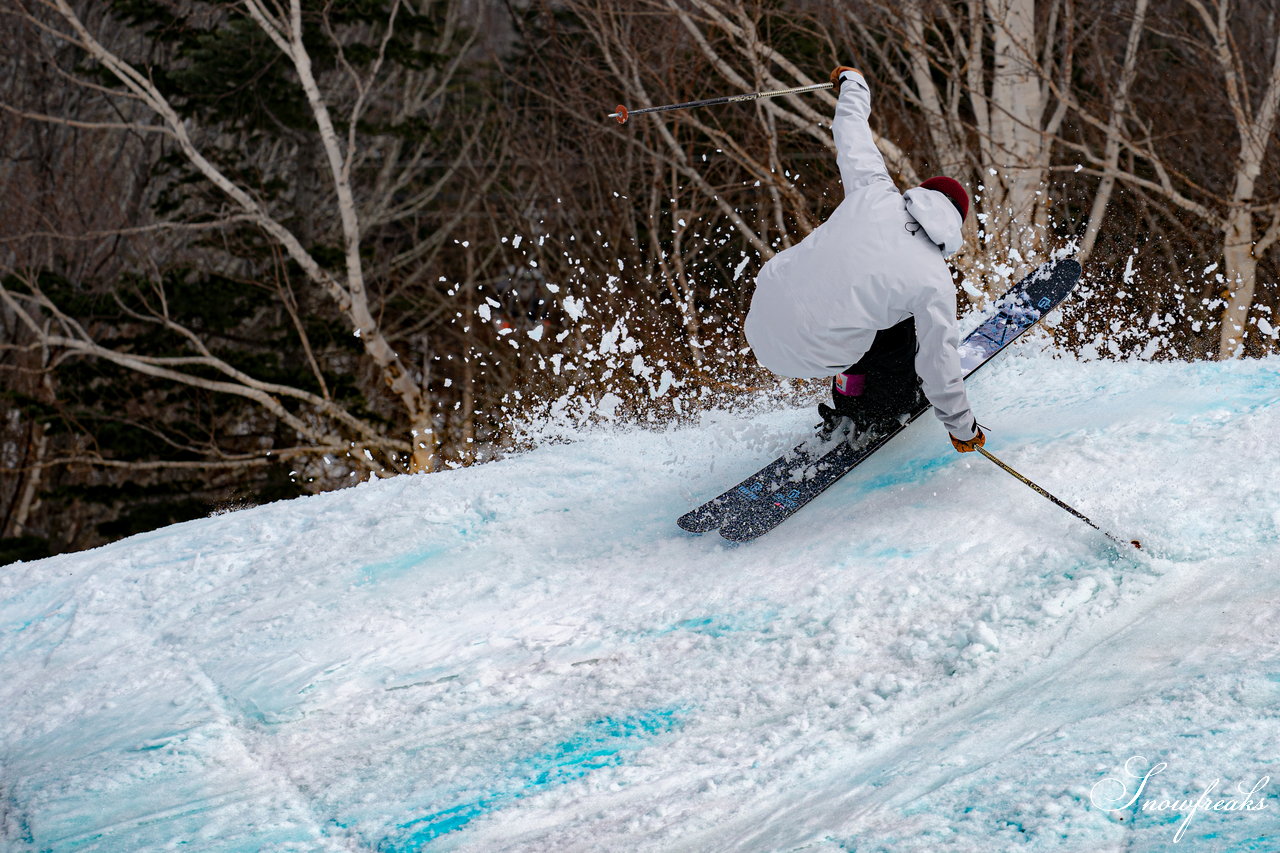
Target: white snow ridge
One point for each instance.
(530, 655)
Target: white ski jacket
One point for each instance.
(876, 261)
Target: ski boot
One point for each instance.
(846, 389)
(832, 422)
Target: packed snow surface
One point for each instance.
(530, 655)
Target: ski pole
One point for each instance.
(1134, 542)
(623, 113)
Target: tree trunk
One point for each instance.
(1015, 144)
(1241, 270)
(945, 137)
(27, 496)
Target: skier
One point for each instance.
(868, 294)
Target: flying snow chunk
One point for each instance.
(536, 332)
(607, 408)
(737, 273)
(575, 308)
(664, 383)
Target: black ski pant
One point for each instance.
(892, 387)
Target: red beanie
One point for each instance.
(952, 189)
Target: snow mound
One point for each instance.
(530, 655)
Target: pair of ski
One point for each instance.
(780, 489)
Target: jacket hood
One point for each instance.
(938, 216)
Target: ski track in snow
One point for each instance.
(529, 655)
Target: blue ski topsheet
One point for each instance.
(774, 493)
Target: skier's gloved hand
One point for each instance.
(968, 445)
(835, 75)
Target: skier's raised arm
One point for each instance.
(859, 160)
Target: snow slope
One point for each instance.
(529, 655)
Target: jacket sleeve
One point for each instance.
(938, 361)
(859, 160)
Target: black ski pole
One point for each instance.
(623, 113)
(1134, 542)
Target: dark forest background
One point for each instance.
(253, 250)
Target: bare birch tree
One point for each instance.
(339, 104)
(980, 78)
(1229, 64)
(1118, 114)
